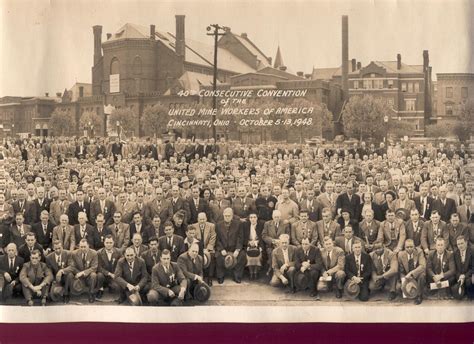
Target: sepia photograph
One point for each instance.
(236, 161)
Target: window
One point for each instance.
(356, 84)
(137, 65)
(404, 86)
(416, 87)
(464, 92)
(449, 92)
(390, 101)
(114, 66)
(449, 109)
(410, 87)
(390, 83)
(410, 104)
(378, 83)
(367, 83)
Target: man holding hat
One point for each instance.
(108, 258)
(283, 264)
(191, 264)
(206, 234)
(384, 270)
(35, 277)
(463, 259)
(309, 262)
(412, 265)
(172, 242)
(333, 265)
(358, 269)
(58, 261)
(10, 267)
(132, 277)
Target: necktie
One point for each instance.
(411, 263)
(45, 228)
(358, 266)
(468, 215)
(22, 232)
(83, 231)
(169, 242)
(328, 260)
(84, 259)
(381, 263)
(440, 264)
(80, 205)
(348, 246)
(12, 264)
(58, 260)
(131, 267)
(463, 256)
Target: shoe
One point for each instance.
(392, 296)
(91, 298)
(313, 294)
(120, 300)
(209, 282)
(30, 303)
(43, 301)
(99, 294)
(338, 294)
(220, 280)
(418, 301)
(237, 280)
(66, 299)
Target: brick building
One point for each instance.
(454, 91)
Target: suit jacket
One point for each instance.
(45, 205)
(245, 228)
(428, 237)
(313, 208)
(15, 234)
(163, 281)
(294, 197)
(145, 231)
(229, 236)
(278, 259)
(454, 233)
(53, 264)
(333, 231)
(25, 253)
(57, 208)
(313, 257)
(150, 259)
(445, 210)
(300, 231)
(369, 233)
(107, 266)
(121, 235)
(191, 270)
(463, 268)
(17, 266)
(409, 204)
(76, 264)
(216, 210)
(328, 201)
(138, 276)
(8, 211)
(343, 202)
(28, 210)
(365, 267)
(32, 276)
(203, 206)
(385, 234)
(242, 208)
(387, 266)
(271, 232)
(181, 204)
(66, 236)
(141, 249)
(336, 262)
(128, 209)
(414, 233)
(74, 210)
(99, 237)
(462, 211)
(419, 263)
(210, 236)
(163, 209)
(42, 237)
(265, 207)
(108, 212)
(89, 235)
(176, 248)
(340, 241)
(434, 268)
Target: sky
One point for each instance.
(47, 45)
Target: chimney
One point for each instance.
(46, 94)
(426, 59)
(300, 74)
(345, 56)
(109, 36)
(282, 68)
(243, 35)
(399, 61)
(354, 65)
(359, 65)
(152, 31)
(81, 91)
(180, 46)
(97, 29)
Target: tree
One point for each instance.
(321, 118)
(363, 117)
(463, 127)
(437, 130)
(155, 120)
(91, 119)
(127, 119)
(62, 123)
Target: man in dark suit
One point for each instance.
(358, 269)
(440, 266)
(414, 227)
(152, 255)
(83, 263)
(432, 230)
(25, 250)
(137, 226)
(167, 281)
(108, 258)
(191, 264)
(384, 270)
(424, 202)
(309, 262)
(272, 231)
(445, 206)
(25, 207)
(117, 148)
(80, 205)
(311, 205)
(100, 232)
(102, 206)
(19, 230)
(229, 241)
(412, 264)
(243, 205)
(456, 229)
(58, 261)
(81, 150)
(197, 205)
(83, 230)
(131, 275)
(265, 204)
(169, 149)
(158, 206)
(44, 232)
(178, 203)
(171, 242)
(463, 259)
(10, 267)
(350, 201)
(40, 203)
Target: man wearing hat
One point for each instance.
(35, 277)
(333, 265)
(168, 282)
(412, 265)
(310, 263)
(191, 264)
(172, 242)
(83, 264)
(358, 268)
(58, 261)
(108, 257)
(384, 270)
(206, 234)
(283, 264)
(10, 267)
(463, 259)
(132, 277)
(393, 233)
(440, 267)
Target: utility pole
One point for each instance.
(215, 28)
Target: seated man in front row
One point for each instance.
(412, 264)
(440, 267)
(191, 264)
(464, 259)
(167, 281)
(10, 267)
(384, 270)
(132, 277)
(283, 264)
(58, 261)
(333, 265)
(359, 269)
(108, 257)
(310, 263)
(35, 277)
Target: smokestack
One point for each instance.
(152, 31)
(46, 94)
(180, 46)
(426, 59)
(109, 36)
(359, 65)
(399, 61)
(300, 74)
(427, 89)
(345, 56)
(97, 29)
(81, 91)
(354, 65)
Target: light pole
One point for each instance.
(216, 34)
(385, 120)
(118, 129)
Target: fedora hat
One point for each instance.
(229, 261)
(301, 281)
(351, 290)
(135, 299)
(56, 293)
(184, 179)
(206, 261)
(458, 291)
(410, 288)
(202, 292)
(77, 287)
